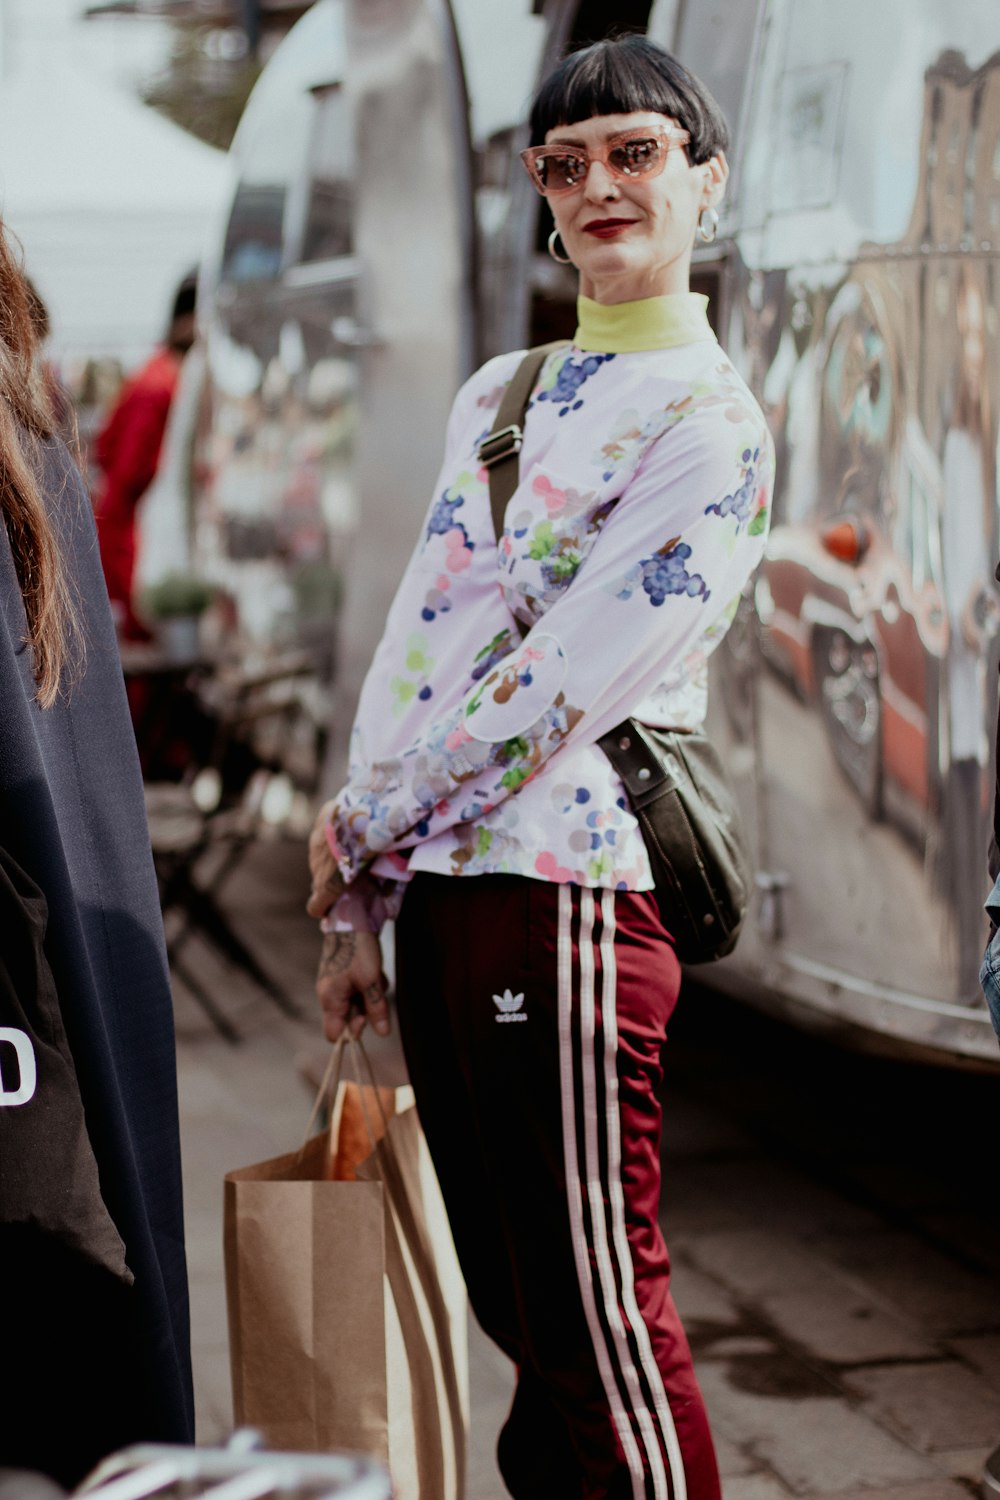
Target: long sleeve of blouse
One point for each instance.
(640, 514)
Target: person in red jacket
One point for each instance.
(127, 450)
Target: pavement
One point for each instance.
(843, 1352)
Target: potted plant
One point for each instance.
(174, 605)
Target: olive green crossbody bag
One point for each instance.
(676, 783)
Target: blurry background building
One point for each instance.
(109, 200)
(215, 53)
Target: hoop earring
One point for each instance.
(708, 225)
(554, 240)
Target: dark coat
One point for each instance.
(72, 818)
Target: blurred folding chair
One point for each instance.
(264, 754)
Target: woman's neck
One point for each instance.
(647, 323)
(611, 288)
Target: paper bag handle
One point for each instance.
(331, 1082)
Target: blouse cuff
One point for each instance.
(365, 906)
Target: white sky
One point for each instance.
(110, 202)
(122, 49)
(502, 45)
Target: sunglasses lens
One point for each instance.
(560, 171)
(638, 156)
(557, 170)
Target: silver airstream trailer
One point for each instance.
(382, 239)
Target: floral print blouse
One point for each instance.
(641, 511)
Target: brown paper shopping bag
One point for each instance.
(347, 1309)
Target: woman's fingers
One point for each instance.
(333, 984)
(376, 1009)
(326, 894)
(350, 985)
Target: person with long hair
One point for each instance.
(91, 1228)
(535, 973)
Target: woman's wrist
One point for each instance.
(360, 908)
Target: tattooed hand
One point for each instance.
(350, 984)
(327, 881)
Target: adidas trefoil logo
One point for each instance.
(509, 1007)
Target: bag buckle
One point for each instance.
(500, 445)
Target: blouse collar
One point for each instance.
(652, 323)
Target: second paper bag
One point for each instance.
(347, 1309)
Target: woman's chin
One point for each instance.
(614, 277)
(629, 269)
(608, 261)
(607, 256)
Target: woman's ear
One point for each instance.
(716, 171)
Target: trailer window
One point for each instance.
(327, 232)
(281, 136)
(253, 236)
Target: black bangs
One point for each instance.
(621, 75)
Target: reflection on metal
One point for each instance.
(242, 1470)
(861, 292)
(320, 273)
(412, 232)
(327, 386)
(349, 332)
(275, 502)
(991, 1475)
(847, 539)
(772, 886)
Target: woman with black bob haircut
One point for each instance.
(535, 973)
(626, 74)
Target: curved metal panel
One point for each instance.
(273, 473)
(863, 305)
(413, 239)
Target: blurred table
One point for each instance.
(168, 715)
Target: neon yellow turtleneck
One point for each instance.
(651, 323)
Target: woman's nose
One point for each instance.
(599, 183)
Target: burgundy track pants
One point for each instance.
(532, 1017)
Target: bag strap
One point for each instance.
(327, 1092)
(499, 450)
(626, 747)
(641, 770)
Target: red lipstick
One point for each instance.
(606, 229)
